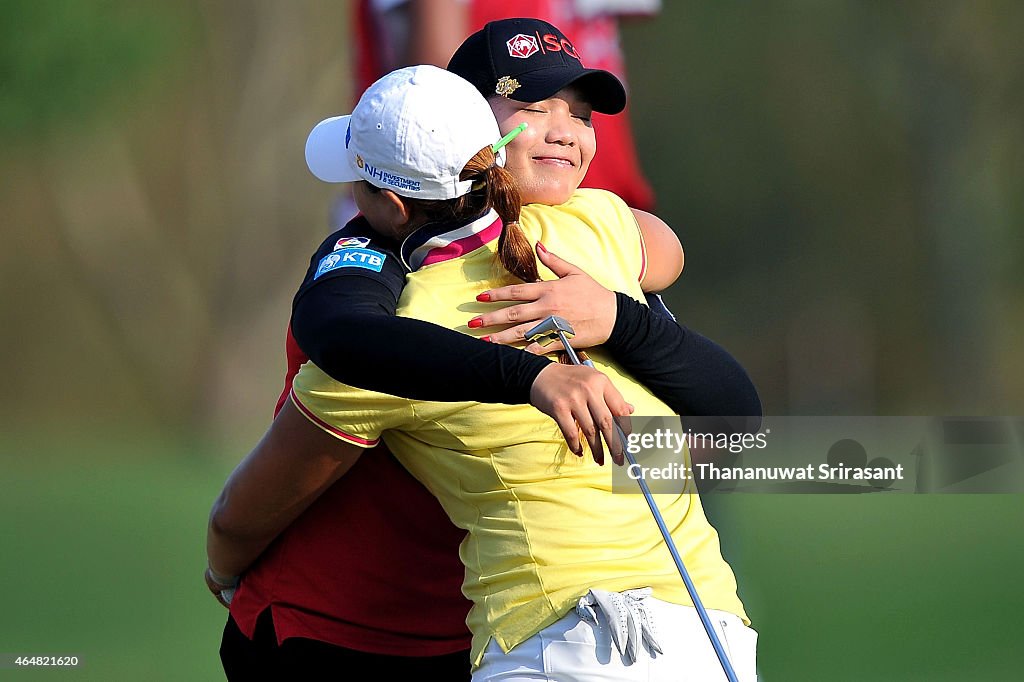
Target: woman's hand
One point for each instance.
(584, 401)
(587, 305)
(220, 588)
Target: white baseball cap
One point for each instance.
(412, 132)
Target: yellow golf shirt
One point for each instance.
(544, 526)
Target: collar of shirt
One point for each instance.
(437, 242)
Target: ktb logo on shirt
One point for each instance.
(350, 258)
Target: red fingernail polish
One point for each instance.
(476, 322)
(484, 297)
(540, 246)
(486, 338)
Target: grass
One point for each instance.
(103, 559)
(887, 587)
(102, 556)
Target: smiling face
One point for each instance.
(550, 158)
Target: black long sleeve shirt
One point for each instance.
(343, 318)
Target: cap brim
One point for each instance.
(326, 154)
(603, 90)
(600, 88)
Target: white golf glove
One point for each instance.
(628, 620)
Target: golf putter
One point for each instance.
(555, 327)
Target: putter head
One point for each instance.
(549, 330)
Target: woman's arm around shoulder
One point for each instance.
(663, 252)
(293, 464)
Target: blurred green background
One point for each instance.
(847, 178)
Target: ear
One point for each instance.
(398, 212)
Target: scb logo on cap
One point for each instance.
(522, 46)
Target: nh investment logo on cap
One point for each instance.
(522, 46)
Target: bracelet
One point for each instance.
(228, 582)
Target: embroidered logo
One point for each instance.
(327, 264)
(522, 46)
(351, 258)
(378, 175)
(352, 243)
(506, 85)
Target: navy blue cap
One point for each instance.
(529, 60)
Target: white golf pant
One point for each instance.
(613, 636)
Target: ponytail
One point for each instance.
(493, 187)
(514, 251)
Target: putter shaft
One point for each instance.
(571, 352)
(691, 589)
